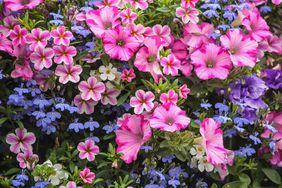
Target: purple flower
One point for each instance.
(273, 78)
(76, 126)
(91, 125)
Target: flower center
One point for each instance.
(108, 25)
(210, 63)
(170, 121)
(120, 42)
(234, 50)
(151, 58)
(25, 2)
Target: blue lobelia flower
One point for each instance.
(76, 126)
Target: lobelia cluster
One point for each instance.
(140, 93)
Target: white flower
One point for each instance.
(198, 151)
(108, 72)
(204, 165)
(193, 163)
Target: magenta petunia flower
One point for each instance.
(171, 65)
(5, 44)
(42, 58)
(170, 118)
(119, 44)
(107, 3)
(92, 89)
(64, 54)
(68, 73)
(184, 91)
(37, 38)
(188, 3)
(128, 75)
(137, 31)
(170, 97)
(86, 175)
(9, 23)
(162, 32)
(70, 184)
(27, 159)
(109, 96)
(188, 15)
(211, 61)
(15, 5)
(22, 71)
(142, 101)
(142, 4)
(61, 37)
(88, 150)
(18, 35)
(21, 141)
(132, 134)
(128, 16)
(84, 106)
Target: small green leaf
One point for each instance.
(244, 178)
(273, 175)
(3, 120)
(123, 98)
(235, 184)
(214, 186)
(12, 171)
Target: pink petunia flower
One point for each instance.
(276, 2)
(45, 80)
(163, 32)
(186, 68)
(37, 38)
(212, 141)
(128, 75)
(211, 62)
(137, 31)
(188, 15)
(142, 4)
(42, 58)
(5, 44)
(127, 16)
(184, 91)
(256, 26)
(88, 150)
(170, 64)
(92, 89)
(64, 54)
(179, 49)
(170, 97)
(9, 23)
(271, 44)
(15, 5)
(132, 134)
(70, 184)
(142, 101)
(86, 175)
(109, 96)
(18, 35)
(102, 20)
(188, 3)
(169, 117)
(68, 72)
(119, 44)
(27, 159)
(84, 106)
(22, 71)
(61, 37)
(242, 49)
(107, 3)
(21, 141)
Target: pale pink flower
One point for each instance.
(18, 35)
(142, 101)
(21, 141)
(171, 65)
(92, 89)
(27, 159)
(68, 73)
(84, 106)
(70, 184)
(132, 134)
(61, 36)
(271, 44)
(37, 38)
(109, 96)
(102, 20)
(137, 31)
(211, 61)
(15, 5)
(212, 141)
(86, 175)
(9, 23)
(170, 97)
(22, 71)
(119, 44)
(184, 91)
(107, 3)
(5, 44)
(242, 49)
(187, 14)
(163, 32)
(276, 2)
(256, 26)
(128, 75)
(42, 57)
(222, 168)
(88, 150)
(142, 4)
(188, 3)
(127, 16)
(169, 117)
(64, 54)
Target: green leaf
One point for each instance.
(3, 120)
(273, 175)
(244, 178)
(214, 186)
(122, 99)
(235, 184)
(12, 171)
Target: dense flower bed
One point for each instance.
(140, 93)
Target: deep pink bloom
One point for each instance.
(256, 26)
(179, 49)
(101, 20)
(127, 16)
(170, 97)
(18, 35)
(137, 31)
(5, 44)
(187, 14)
(242, 49)
(15, 5)
(64, 54)
(86, 175)
(88, 150)
(68, 72)
(142, 4)
(84, 106)
(107, 3)
(92, 89)
(42, 58)
(142, 101)
(184, 91)
(37, 38)
(132, 134)
(169, 117)
(109, 96)
(22, 71)
(128, 75)
(162, 32)
(27, 159)
(212, 141)
(211, 62)
(171, 65)
(120, 44)
(188, 3)
(21, 141)
(276, 2)
(186, 68)
(9, 23)
(61, 36)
